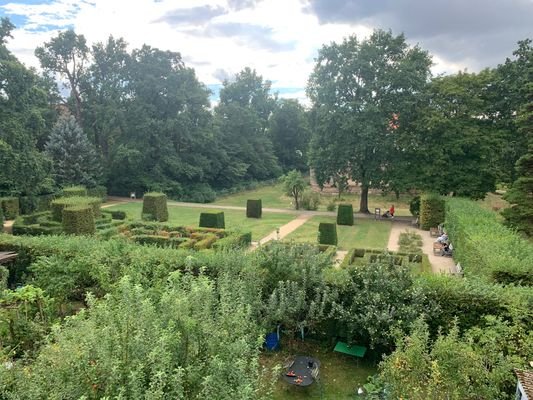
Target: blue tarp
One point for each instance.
(272, 341)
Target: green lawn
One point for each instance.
(340, 374)
(365, 233)
(273, 197)
(190, 216)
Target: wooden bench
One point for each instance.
(437, 248)
(434, 232)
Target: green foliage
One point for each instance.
(345, 214)
(2, 218)
(432, 211)
(410, 242)
(155, 204)
(10, 207)
(254, 209)
(73, 156)
(212, 220)
(327, 233)
(414, 206)
(78, 220)
(486, 248)
(310, 200)
(58, 205)
(75, 191)
(115, 214)
(30, 204)
(98, 191)
(331, 206)
(293, 185)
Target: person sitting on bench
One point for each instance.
(442, 238)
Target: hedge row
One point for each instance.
(30, 204)
(78, 220)
(431, 211)
(75, 191)
(345, 214)
(254, 209)
(155, 207)
(58, 205)
(327, 233)
(10, 207)
(115, 214)
(212, 220)
(484, 247)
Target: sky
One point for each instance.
(279, 38)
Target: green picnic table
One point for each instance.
(353, 350)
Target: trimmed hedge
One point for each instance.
(254, 208)
(233, 241)
(79, 220)
(58, 205)
(155, 207)
(432, 211)
(115, 214)
(484, 247)
(212, 220)
(1, 219)
(75, 191)
(20, 227)
(327, 233)
(345, 214)
(10, 207)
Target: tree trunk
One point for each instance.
(363, 205)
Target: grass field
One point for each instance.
(190, 216)
(273, 197)
(365, 233)
(340, 375)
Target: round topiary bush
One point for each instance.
(78, 220)
(58, 205)
(155, 207)
(73, 191)
(345, 214)
(254, 208)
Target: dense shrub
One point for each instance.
(484, 247)
(212, 220)
(233, 241)
(155, 205)
(30, 204)
(327, 233)
(78, 220)
(254, 208)
(58, 205)
(75, 191)
(115, 214)
(10, 207)
(331, 206)
(345, 214)
(432, 211)
(1, 219)
(50, 228)
(198, 193)
(310, 200)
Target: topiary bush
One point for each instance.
(212, 220)
(74, 191)
(327, 233)
(155, 207)
(78, 220)
(345, 214)
(414, 206)
(58, 205)
(431, 211)
(10, 207)
(254, 208)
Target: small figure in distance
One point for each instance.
(133, 196)
(391, 211)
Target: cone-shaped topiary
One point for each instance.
(212, 220)
(254, 209)
(78, 220)
(155, 207)
(345, 214)
(327, 233)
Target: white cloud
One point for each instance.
(142, 22)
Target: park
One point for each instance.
(156, 246)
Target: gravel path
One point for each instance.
(286, 229)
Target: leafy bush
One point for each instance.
(234, 240)
(98, 191)
(2, 218)
(58, 205)
(331, 206)
(198, 193)
(115, 214)
(155, 204)
(414, 206)
(345, 214)
(75, 191)
(212, 220)
(431, 211)
(310, 200)
(327, 233)
(78, 220)
(30, 204)
(484, 247)
(10, 207)
(254, 208)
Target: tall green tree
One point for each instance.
(290, 134)
(242, 121)
(73, 156)
(294, 185)
(25, 119)
(357, 88)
